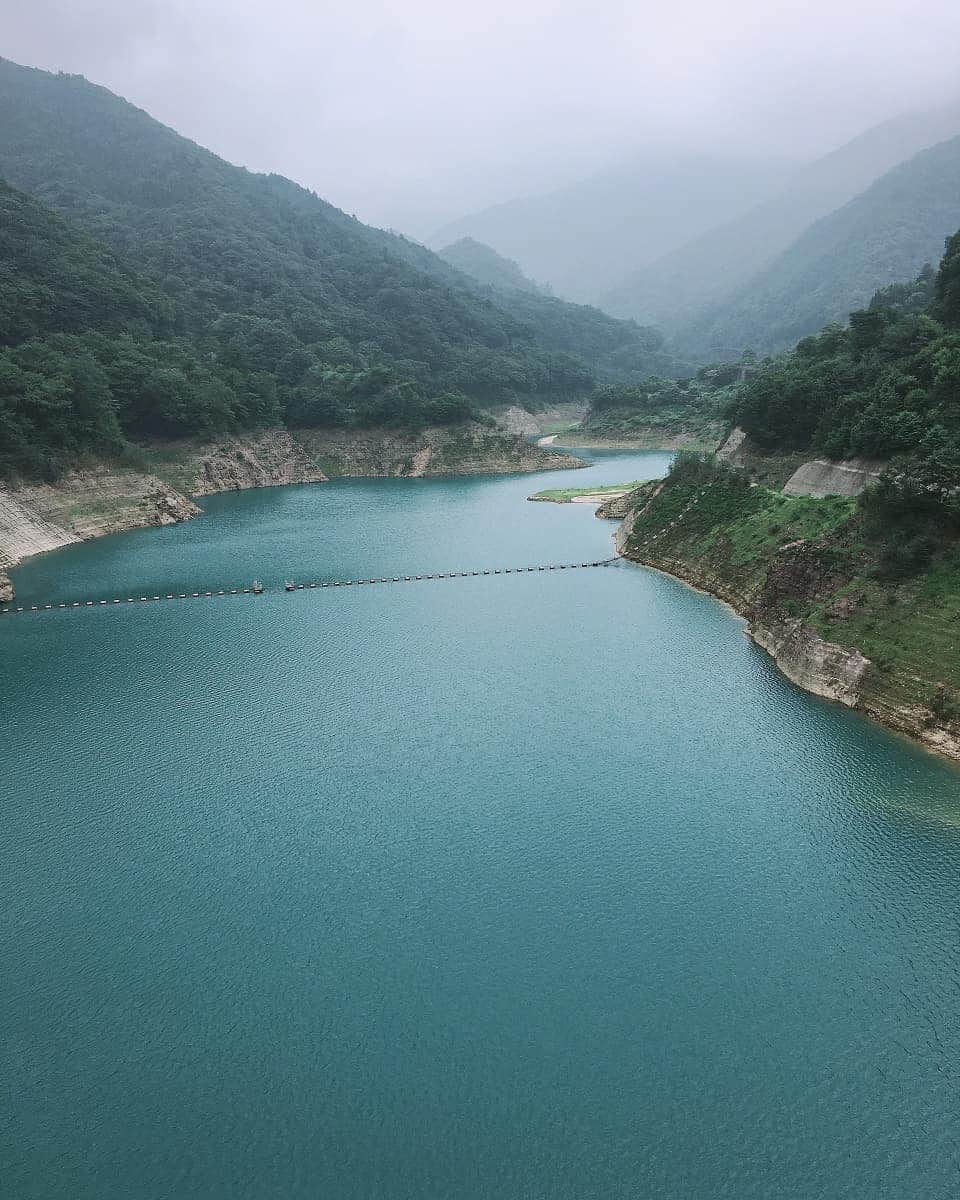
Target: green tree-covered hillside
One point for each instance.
(90, 356)
(886, 386)
(224, 243)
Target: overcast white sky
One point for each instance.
(410, 112)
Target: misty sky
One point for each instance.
(411, 112)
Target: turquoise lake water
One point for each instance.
(541, 886)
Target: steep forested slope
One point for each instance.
(884, 235)
(486, 266)
(89, 353)
(326, 319)
(580, 238)
(53, 279)
(703, 272)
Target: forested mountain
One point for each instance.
(56, 280)
(705, 271)
(90, 356)
(884, 235)
(486, 266)
(886, 386)
(319, 318)
(579, 239)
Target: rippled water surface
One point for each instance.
(541, 886)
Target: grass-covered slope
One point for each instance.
(884, 235)
(825, 587)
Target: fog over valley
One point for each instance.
(414, 114)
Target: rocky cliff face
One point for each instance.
(514, 419)
(270, 459)
(817, 666)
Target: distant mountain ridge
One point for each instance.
(711, 267)
(883, 236)
(488, 267)
(580, 238)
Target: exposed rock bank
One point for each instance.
(821, 477)
(519, 420)
(819, 667)
(703, 438)
(110, 497)
(461, 450)
(271, 459)
(84, 504)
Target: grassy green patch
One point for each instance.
(568, 495)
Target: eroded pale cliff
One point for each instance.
(820, 477)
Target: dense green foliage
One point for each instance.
(55, 280)
(89, 354)
(884, 235)
(277, 303)
(887, 386)
(667, 405)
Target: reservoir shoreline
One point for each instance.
(104, 498)
(819, 668)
